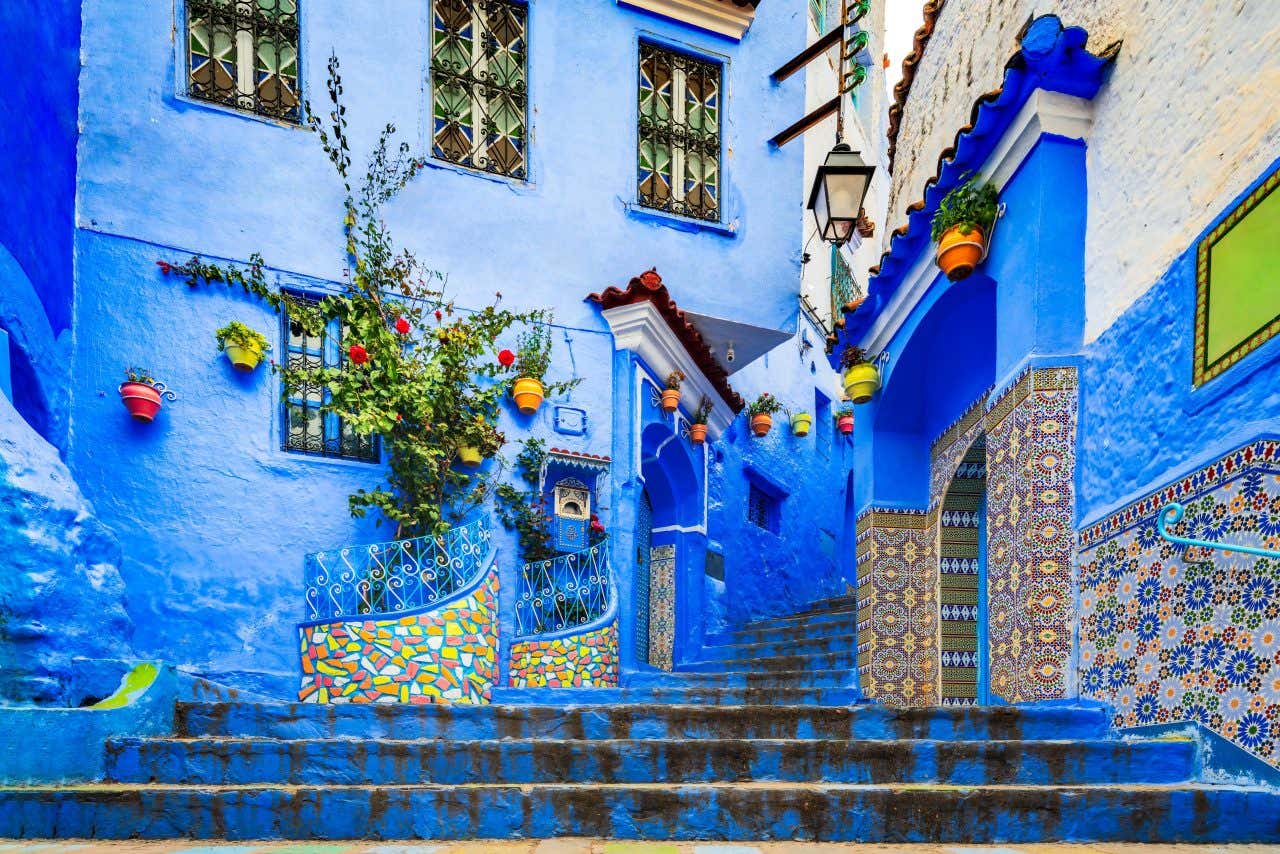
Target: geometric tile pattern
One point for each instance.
(1174, 633)
(958, 577)
(445, 655)
(1031, 450)
(588, 660)
(662, 606)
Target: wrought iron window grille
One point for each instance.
(397, 576)
(479, 85)
(306, 429)
(844, 290)
(244, 54)
(563, 592)
(678, 134)
(762, 509)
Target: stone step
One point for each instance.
(223, 761)
(801, 646)
(797, 628)
(842, 678)
(667, 688)
(843, 660)
(635, 721)
(760, 811)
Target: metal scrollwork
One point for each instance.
(567, 591)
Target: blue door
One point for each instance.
(640, 583)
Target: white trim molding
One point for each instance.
(639, 327)
(723, 17)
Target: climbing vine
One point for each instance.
(524, 510)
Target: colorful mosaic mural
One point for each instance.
(1031, 440)
(662, 606)
(958, 567)
(445, 655)
(1174, 633)
(588, 660)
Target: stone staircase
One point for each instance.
(763, 739)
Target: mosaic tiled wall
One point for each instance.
(588, 660)
(662, 606)
(445, 655)
(1031, 440)
(958, 564)
(1170, 633)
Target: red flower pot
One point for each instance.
(845, 424)
(142, 400)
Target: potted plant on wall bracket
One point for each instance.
(532, 359)
(478, 442)
(671, 394)
(698, 424)
(861, 378)
(801, 423)
(760, 411)
(962, 227)
(142, 394)
(244, 346)
(844, 420)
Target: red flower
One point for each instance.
(358, 354)
(165, 267)
(597, 526)
(506, 358)
(439, 314)
(402, 325)
(399, 417)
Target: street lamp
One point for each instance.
(838, 190)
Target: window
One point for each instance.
(843, 289)
(762, 508)
(307, 430)
(818, 14)
(679, 133)
(244, 54)
(479, 85)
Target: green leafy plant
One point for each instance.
(139, 375)
(765, 404)
(972, 205)
(524, 510)
(852, 356)
(703, 412)
(674, 379)
(237, 334)
(418, 373)
(845, 410)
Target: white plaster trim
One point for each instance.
(718, 16)
(641, 329)
(681, 529)
(1043, 113)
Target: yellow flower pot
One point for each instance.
(801, 423)
(243, 358)
(528, 394)
(469, 456)
(861, 382)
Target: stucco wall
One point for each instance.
(1188, 119)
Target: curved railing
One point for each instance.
(397, 576)
(563, 592)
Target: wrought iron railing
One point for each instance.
(1172, 514)
(401, 575)
(567, 591)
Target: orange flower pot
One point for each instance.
(142, 400)
(959, 254)
(671, 400)
(697, 433)
(528, 394)
(761, 423)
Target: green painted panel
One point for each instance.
(1244, 279)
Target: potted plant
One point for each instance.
(801, 423)
(698, 424)
(761, 412)
(533, 357)
(962, 225)
(244, 346)
(861, 379)
(844, 420)
(141, 394)
(671, 394)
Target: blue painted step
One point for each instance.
(221, 761)
(638, 721)
(762, 811)
(792, 628)
(666, 688)
(844, 678)
(843, 660)
(785, 646)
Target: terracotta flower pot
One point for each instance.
(845, 424)
(861, 381)
(697, 433)
(243, 358)
(469, 456)
(670, 400)
(959, 254)
(142, 400)
(801, 423)
(528, 394)
(761, 423)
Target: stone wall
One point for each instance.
(1187, 121)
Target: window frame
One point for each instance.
(182, 71)
(772, 504)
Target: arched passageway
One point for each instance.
(962, 580)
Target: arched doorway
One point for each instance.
(962, 583)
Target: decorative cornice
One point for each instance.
(729, 18)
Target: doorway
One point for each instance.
(962, 583)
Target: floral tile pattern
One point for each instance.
(662, 606)
(1174, 633)
(588, 660)
(445, 655)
